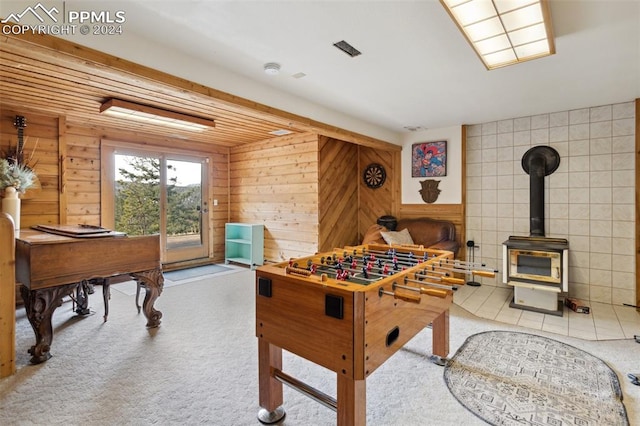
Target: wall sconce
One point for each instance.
(504, 32)
(151, 115)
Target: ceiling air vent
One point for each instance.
(347, 48)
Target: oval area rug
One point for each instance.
(510, 378)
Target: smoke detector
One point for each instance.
(414, 128)
(272, 68)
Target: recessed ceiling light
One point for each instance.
(281, 132)
(299, 75)
(271, 68)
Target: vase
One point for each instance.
(11, 205)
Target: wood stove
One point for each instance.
(537, 267)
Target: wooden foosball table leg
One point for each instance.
(270, 389)
(352, 402)
(440, 336)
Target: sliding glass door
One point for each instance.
(161, 193)
(186, 208)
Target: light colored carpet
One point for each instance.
(174, 278)
(200, 367)
(199, 271)
(510, 378)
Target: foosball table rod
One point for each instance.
(391, 253)
(447, 280)
(445, 267)
(443, 278)
(465, 264)
(364, 261)
(428, 291)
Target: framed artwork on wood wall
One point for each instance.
(429, 159)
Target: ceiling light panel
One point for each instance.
(152, 115)
(474, 11)
(504, 32)
(484, 29)
(522, 18)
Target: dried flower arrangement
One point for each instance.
(15, 170)
(20, 176)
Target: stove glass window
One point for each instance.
(534, 265)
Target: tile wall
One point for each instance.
(589, 200)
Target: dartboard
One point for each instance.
(374, 175)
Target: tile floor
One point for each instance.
(604, 322)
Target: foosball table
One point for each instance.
(349, 310)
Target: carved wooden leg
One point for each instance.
(39, 305)
(82, 298)
(138, 296)
(106, 295)
(153, 282)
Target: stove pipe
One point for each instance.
(538, 162)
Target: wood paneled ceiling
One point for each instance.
(44, 74)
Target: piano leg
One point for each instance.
(82, 298)
(106, 296)
(40, 305)
(153, 281)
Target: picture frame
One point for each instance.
(429, 159)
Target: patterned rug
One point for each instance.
(508, 378)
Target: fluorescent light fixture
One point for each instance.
(504, 32)
(151, 115)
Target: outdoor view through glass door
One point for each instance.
(163, 194)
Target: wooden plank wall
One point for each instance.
(68, 165)
(39, 205)
(382, 201)
(81, 165)
(82, 175)
(338, 193)
(218, 190)
(275, 182)
(81, 181)
(387, 200)
(306, 189)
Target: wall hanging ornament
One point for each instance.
(374, 175)
(430, 191)
(429, 159)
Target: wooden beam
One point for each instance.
(7, 297)
(637, 204)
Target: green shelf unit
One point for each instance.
(244, 243)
